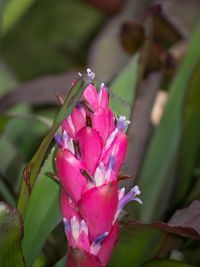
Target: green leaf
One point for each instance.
(15, 148)
(7, 81)
(157, 175)
(4, 119)
(33, 167)
(11, 167)
(190, 142)
(57, 40)
(137, 138)
(41, 261)
(139, 242)
(5, 192)
(167, 263)
(61, 262)
(34, 128)
(195, 192)
(13, 11)
(135, 246)
(123, 89)
(43, 212)
(11, 231)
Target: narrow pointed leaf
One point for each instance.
(33, 167)
(157, 176)
(190, 142)
(123, 88)
(43, 212)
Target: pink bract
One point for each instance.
(92, 149)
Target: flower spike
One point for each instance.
(91, 151)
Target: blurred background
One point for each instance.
(44, 44)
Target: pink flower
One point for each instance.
(91, 151)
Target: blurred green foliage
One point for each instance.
(62, 29)
(44, 41)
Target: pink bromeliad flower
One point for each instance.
(91, 150)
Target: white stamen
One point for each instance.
(83, 227)
(121, 193)
(99, 174)
(65, 135)
(71, 125)
(90, 74)
(102, 85)
(71, 145)
(100, 93)
(111, 138)
(94, 249)
(136, 190)
(75, 228)
(116, 216)
(89, 70)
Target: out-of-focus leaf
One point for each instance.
(192, 252)
(184, 230)
(32, 169)
(40, 261)
(123, 89)
(132, 36)
(2, 7)
(137, 138)
(12, 163)
(61, 262)
(135, 246)
(157, 175)
(17, 130)
(3, 121)
(191, 136)
(110, 6)
(15, 149)
(164, 31)
(146, 239)
(11, 231)
(39, 91)
(167, 263)
(5, 117)
(7, 81)
(43, 212)
(195, 192)
(106, 55)
(56, 41)
(13, 11)
(189, 217)
(6, 191)
(182, 14)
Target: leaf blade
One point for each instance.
(31, 171)
(43, 212)
(159, 164)
(11, 229)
